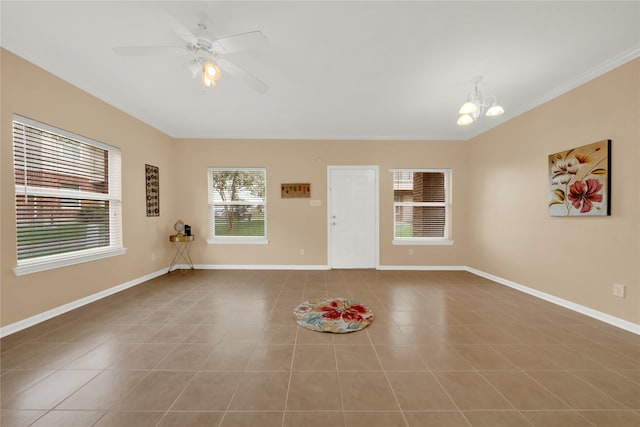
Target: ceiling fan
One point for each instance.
(207, 54)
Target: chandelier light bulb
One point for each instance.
(465, 120)
(468, 108)
(495, 110)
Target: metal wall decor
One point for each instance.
(152, 176)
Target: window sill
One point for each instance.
(237, 241)
(64, 260)
(423, 242)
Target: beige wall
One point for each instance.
(500, 222)
(292, 224)
(513, 237)
(31, 92)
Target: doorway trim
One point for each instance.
(375, 170)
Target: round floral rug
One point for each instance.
(336, 315)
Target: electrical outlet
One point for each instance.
(301, 251)
(618, 290)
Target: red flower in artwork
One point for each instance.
(349, 313)
(585, 195)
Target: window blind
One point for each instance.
(421, 206)
(237, 203)
(67, 192)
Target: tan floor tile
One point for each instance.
(366, 390)
(555, 419)
(523, 392)
(19, 418)
(229, 356)
(208, 391)
(68, 419)
(191, 419)
(314, 391)
(307, 337)
(271, 358)
(279, 334)
(144, 356)
(156, 391)
(314, 358)
(400, 358)
(439, 419)
(484, 357)
(495, 419)
(313, 419)
(102, 356)
(470, 391)
(525, 357)
(575, 392)
(186, 357)
(51, 390)
(130, 418)
(442, 357)
(260, 391)
(103, 391)
(16, 381)
(374, 419)
(187, 325)
(419, 391)
(357, 358)
(614, 385)
(353, 338)
(252, 419)
(612, 418)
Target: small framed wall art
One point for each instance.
(580, 181)
(294, 190)
(152, 175)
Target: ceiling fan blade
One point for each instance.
(240, 42)
(240, 74)
(149, 50)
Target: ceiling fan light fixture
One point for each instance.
(210, 73)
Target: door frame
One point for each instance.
(375, 170)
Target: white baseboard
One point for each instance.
(423, 267)
(46, 315)
(604, 317)
(259, 267)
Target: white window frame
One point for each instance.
(43, 263)
(446, 240)
(246, 240)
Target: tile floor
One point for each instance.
(220, 348)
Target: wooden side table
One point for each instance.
(181, 244)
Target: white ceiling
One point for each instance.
(335, 69)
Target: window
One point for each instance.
(67, 197)
(237, 205)
(421, 201)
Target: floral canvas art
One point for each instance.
(579, 181)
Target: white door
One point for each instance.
(353, 216)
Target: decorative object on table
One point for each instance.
(187, 230)
(580, 181)
(293, 190)
(152, 175)
(335, 315)
(179, 227)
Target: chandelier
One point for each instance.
(476, 106)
